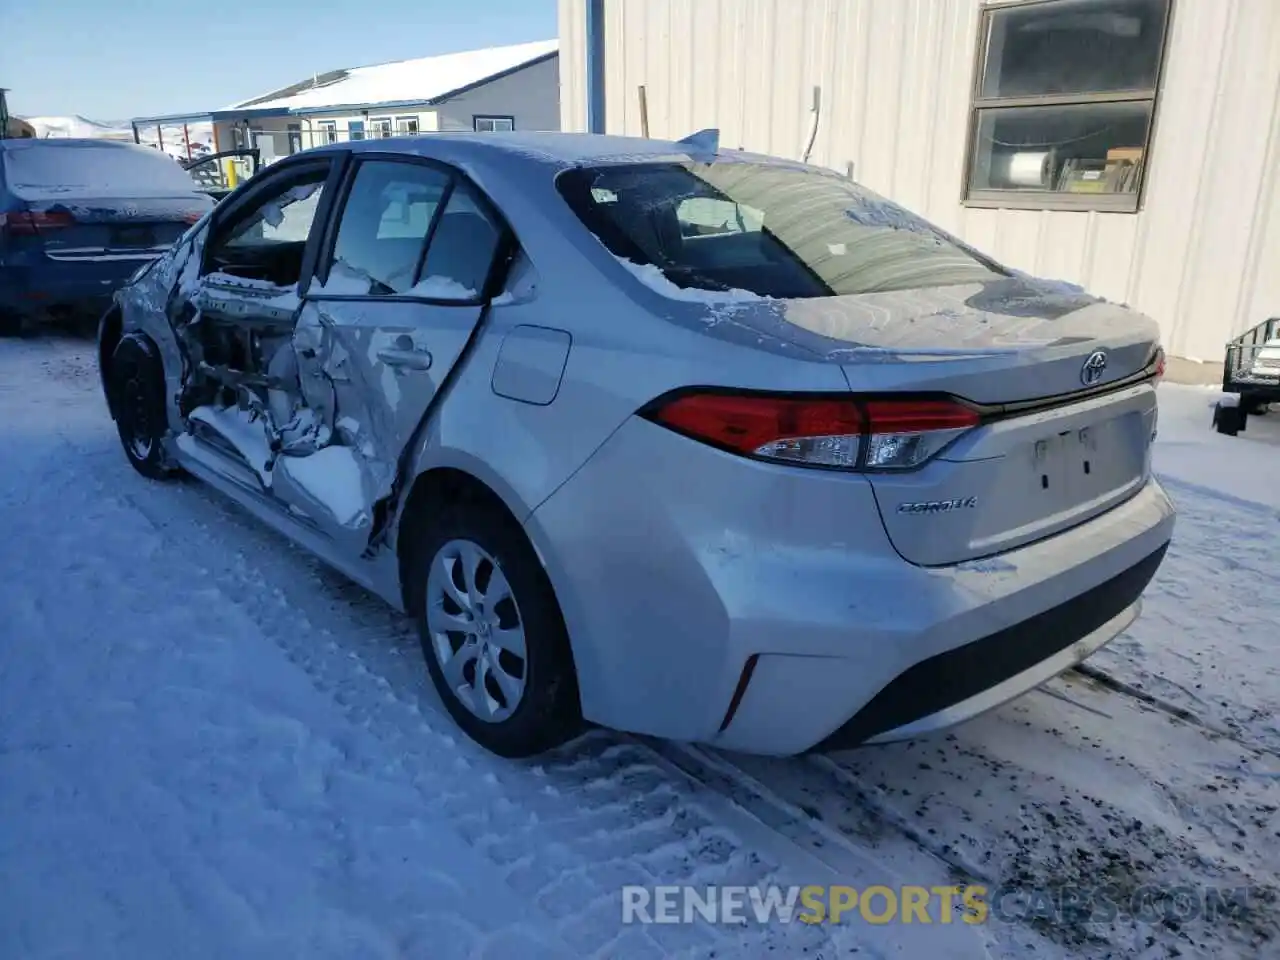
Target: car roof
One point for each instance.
(547, 148)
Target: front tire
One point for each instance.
(136, 397)
(491, 631)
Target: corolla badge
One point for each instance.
(1094, 367)
(939, 506)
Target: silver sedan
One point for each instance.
(688, 442)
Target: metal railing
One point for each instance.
(1242, 365)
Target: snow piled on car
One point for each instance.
(656, 280)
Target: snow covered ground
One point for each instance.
(211, 746)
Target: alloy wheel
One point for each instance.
(476, 630)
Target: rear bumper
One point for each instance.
(677, 566)
(30, 290)
(967, 681)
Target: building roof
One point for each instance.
(401, 83)
(425, 79)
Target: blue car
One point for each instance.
(79, 217)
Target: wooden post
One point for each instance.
(186, 139)
(160, 137)
(644, 111)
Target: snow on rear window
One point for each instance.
(51, 170)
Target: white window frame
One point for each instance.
(493, 121)
(379, 128)
(328, 131)
(403, 122)
(1055, 200)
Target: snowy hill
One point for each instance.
(76, 126)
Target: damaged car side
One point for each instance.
(289, 349)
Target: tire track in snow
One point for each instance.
(1114, 684)
(606, 811)
(1205, 642)
(1042, 798)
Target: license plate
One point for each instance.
(1079, 464)
(133, 237)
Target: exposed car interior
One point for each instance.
(268, 243)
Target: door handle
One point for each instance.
(409, 359)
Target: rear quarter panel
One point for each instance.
(628, 345)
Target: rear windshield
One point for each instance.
(773, 230)
(37, 170)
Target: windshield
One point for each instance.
(773, 230)
(49, 170)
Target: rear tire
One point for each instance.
(480, 598)
(136, 397)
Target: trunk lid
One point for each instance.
(76, 228)
(1068, 415)
(1010, 341)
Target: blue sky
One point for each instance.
(113, 59)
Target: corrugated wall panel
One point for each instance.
(896, 78)
(1262, 290)
(572, 16)
(1230, 178)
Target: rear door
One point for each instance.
(399, 293)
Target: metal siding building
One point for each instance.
(897, 81)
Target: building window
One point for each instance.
(492, 124)
(407, 126)
(379, 127)
(355, 129)
(1063, 104)
(295, 137)
(328, 131)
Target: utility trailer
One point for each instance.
(1250, 377)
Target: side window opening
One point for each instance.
(391, 212)
(268, 240)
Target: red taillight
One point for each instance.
(1160, 361)
(919, 416)
(193, 217)
(30, 222)
(848, 433)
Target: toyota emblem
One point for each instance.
(1093, 368)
